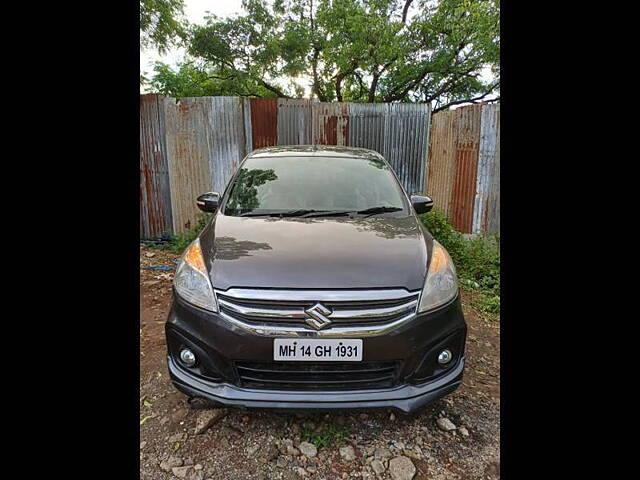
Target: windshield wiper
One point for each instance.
(286, 213)
(375, 210)
(321, 213)
(368, 212)
(327, 213)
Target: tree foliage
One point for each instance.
(192, 79)
(348, 50)
(161, 23)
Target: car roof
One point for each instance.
(315, 151)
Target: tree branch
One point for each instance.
(271, 88)
(405, 10)
(470, 100)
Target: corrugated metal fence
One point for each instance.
(155, 197)
(194, 145)
(202, 140)
(464, 167)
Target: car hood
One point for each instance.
(315, 253)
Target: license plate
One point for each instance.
(317, 350)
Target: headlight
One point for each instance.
(192, 281)
(441, 284)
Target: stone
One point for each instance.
(207, 418)
(195, 475)
(169, 463)
(301, 471)
(401, 468)
(378, 467)
(445, 424)
(382, 453)
(181, 472)
(347, 453)
(309, 450)
(463, 431)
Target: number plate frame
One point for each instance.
(317, 350)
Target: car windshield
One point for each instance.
(314, 186)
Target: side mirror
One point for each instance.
(421, 203)
(208, 202)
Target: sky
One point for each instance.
(195, 11)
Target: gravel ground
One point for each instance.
(457, 437)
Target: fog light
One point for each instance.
(444, 357)
(187, 357)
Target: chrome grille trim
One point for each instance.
(298, 313)
(281, 313)
(316, 295)
(352, 331)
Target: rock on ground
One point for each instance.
(382, 453)
(377, 466)
(207, 418)
(171, 462)
(308, 449)
(181, 472)
(401, 468)
(445, 424)
(347, 453)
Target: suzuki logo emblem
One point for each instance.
(317, 316)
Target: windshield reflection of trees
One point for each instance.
(244, 196)
(228, 248)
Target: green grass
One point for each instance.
(178, 243)
(477, 262)
(330, 434)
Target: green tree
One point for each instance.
(191, 79)
(354, 50)
(161, 23)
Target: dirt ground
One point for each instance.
(260, 444)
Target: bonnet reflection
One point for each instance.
(228, 248)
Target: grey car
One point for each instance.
(314, 285)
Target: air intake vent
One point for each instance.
(317, 376)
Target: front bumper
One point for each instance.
(406, 398)
(219, 345)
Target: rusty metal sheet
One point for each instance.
(264, 122)
(188, 156)
(294, 121)
(225, 133)
(464, 184)
(442, 160)
(330, 123)
(405, 143)
(155, 194)
(486, 216)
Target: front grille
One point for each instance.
(317, 376)
(286, 308)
